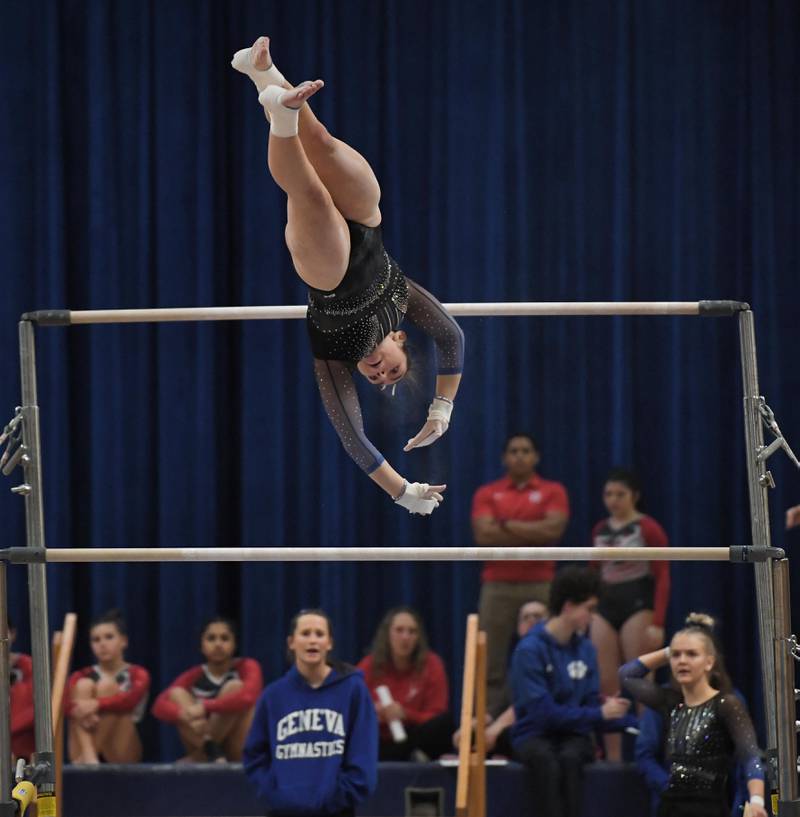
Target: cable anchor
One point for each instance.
(794, 648)
(764, 452)
(15, 449)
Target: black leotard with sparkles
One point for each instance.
(370, 302)
(702, 740)
(348, 322)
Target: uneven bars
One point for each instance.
(388, 554)
(66, 317)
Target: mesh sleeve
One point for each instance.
(427, 314)
(740, 728)
(631, 676)
(340, 398)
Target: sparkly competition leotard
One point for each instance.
(702, 743)
(347, 323)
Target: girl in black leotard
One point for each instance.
(708, 725)
(357, 294)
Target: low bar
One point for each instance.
(66, 317)
(388, 554)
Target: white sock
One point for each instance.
(283, 120)
(243, 62)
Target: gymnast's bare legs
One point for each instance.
(326, 181)
(345, 173)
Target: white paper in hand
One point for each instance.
(395, 726)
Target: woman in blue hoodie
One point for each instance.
(312, 750)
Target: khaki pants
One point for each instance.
(497, 611)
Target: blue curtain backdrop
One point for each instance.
(561, 150)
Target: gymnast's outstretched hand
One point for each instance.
(435, 426)
(419, 497)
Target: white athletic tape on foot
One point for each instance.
(242, 61)
(283, 120)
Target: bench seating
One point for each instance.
(214, 790)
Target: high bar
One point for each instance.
(67, 317)
(388, 554)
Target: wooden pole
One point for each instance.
(63, 644)
(477, 781)
(62, 667)
(467, 703)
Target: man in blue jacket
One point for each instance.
(555, 688)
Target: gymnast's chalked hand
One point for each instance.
(421, 498)
(435, 426)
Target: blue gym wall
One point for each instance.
(562, 150)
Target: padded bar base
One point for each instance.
(49, 317)
(210, 790)
(716, 309)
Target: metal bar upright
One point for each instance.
(759, 515)
(784, 691)
(37, 577)
(5, 691)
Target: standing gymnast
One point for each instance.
(212, 704)
(629, 619)
(313, 746)
(357, 295)
(708, 725)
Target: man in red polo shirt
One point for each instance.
(519, 509)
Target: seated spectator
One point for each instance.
(499, 722)
(650, 754)
(212, 704)
(402, 662)
(554, 683)
(633, 597)
(107, 699)
(21, 700)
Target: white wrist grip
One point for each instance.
(440, 410)
(415, 498)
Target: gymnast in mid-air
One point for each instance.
(357, 294)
